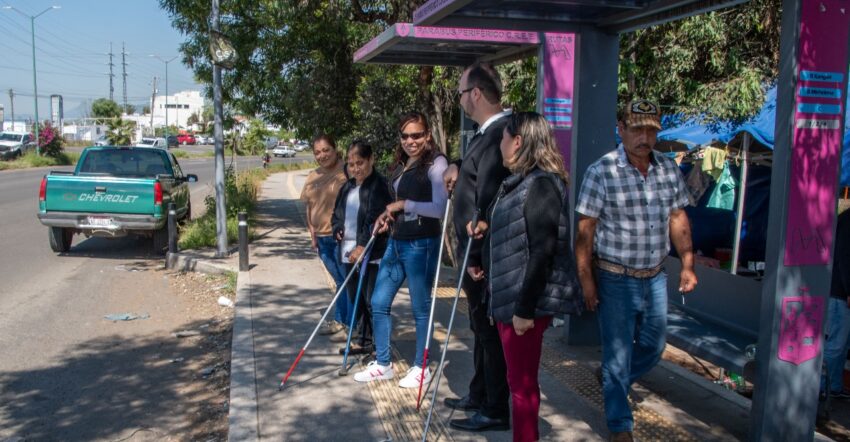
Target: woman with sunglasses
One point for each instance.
(413, 219)
(528, 257)
(362, 199)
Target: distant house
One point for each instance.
(178, 109)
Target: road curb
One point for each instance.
(243, 416)
(185, 262)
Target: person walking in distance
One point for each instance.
(475, 181)
(319, 195)
(631, 206)
(528, 259)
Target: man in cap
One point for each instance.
(631, 206)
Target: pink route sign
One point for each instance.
(556, 101)
(817, 130)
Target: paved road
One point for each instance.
(53, 306)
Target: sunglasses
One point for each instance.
(461, 92)
(413, 135)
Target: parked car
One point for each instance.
(114, 191)
(301, 146)
(283, 150)
(101, 141)
(152, 142)
(15, 144)
(185, 139)
(205, 139)
(271, 142)
(171, 141)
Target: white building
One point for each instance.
(179, 107)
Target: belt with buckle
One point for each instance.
(619, 269)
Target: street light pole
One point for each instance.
(166, 93)
(218, 134)
(34, 77)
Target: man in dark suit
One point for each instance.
(475, 180)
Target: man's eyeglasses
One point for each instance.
(460, 93)
(413, 135)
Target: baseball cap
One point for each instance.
(641, 113)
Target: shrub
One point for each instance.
(50, 141)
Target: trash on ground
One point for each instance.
(207, 371)
(186, 333)
(225, 301)
(176, 360)
(115, 317)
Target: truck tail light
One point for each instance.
(42, 191)
(157, 193)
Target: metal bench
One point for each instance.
(718, 321)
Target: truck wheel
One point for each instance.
(60, 238)
(160, 241)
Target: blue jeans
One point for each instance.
(835, 349)
(632, 317)
(329, 253)
(415, 260)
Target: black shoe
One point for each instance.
(479, 422)
(464, 403)
(356, 349)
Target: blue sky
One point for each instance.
(72, 44)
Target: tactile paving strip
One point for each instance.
(649, 425)
(397, 408)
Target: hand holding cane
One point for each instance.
(449, 331)
(433, 303)
(330, 306)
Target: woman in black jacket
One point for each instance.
(528, 258)
(359, 203)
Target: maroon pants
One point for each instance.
(522, 356)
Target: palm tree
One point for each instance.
(120, 132)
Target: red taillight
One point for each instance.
(42, 191)
(157, 193)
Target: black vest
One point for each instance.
(509, 254)
(415, 186)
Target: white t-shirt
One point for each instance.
(349, 238)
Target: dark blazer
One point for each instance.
(841, 258)
(374, 198)
(480, 174)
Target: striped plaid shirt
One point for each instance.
(633, 211)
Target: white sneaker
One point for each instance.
(375, 372)
(412, 378)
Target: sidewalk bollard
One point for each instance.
(243, 241)
(172, 228)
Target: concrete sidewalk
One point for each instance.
(282, 297)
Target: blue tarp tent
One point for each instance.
(693, 134)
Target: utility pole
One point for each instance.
(218, 134)
(124, 73)
(153, 100)
(111, 75)
(12, 105)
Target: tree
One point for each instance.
(120, 132)
(104, 108)
(294, 63)
(716, 65)
(146, 110)
(193, 119)
(130, 109)
(255, 139)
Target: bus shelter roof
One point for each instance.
(404, 43)
(550, 15)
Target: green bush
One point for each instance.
(32, 160)
(180, 153)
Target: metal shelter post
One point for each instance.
(810, 115)
(595, 116)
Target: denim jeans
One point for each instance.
(835, 349)
(329, 253)
(415, 260)
(632, 316)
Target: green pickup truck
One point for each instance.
(114, 191)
